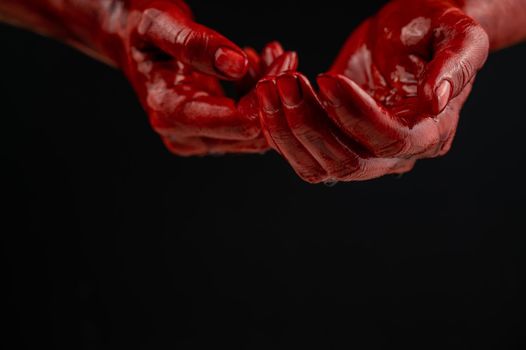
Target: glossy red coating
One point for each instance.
(172, 62)
(393, 95)
(395, 92)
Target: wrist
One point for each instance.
(93, 26)
(503, 20)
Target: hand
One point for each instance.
(296, 125)
(392, 97)
(174, 65)
(399, 84)
(172, 62)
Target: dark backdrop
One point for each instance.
(110, 242)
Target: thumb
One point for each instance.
(173, 31)
(460, 49)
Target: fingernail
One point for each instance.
(289, 90)
(231, 63)
(268, 96)
(272, 51)
(290, 62)
(329, 88)
(443, 94)
(286, 62)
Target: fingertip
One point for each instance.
(290, 90)
(268, 96)
(442, 96)
(254, 63)
(286, 62)
(306, 87)
(232, 63)
(275, 47)
(435, 94)
(291, 61)
(271, 52)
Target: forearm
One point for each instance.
(90, 25)
(503, 20)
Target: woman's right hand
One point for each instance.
(175, 65)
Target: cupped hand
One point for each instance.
(296, 126)
(393, 95)
(400, 82)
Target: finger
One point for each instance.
(369, 123)
(307, 121)
(270, 53)
(280, 135)
(360, 116)
(278, 61)
(444, 126)
(458, 55)
(254, 72)
(248, 105)
(284, 63)
(447, 125)
(185, 147)
(167, 27)
(343, 159)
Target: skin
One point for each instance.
(393, 95)
(173, 63)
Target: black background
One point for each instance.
(109, 241)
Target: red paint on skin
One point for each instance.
(393, 95)
(231, 63)
(172, 62)
(397, 87)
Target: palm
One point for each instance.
(408, 70)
